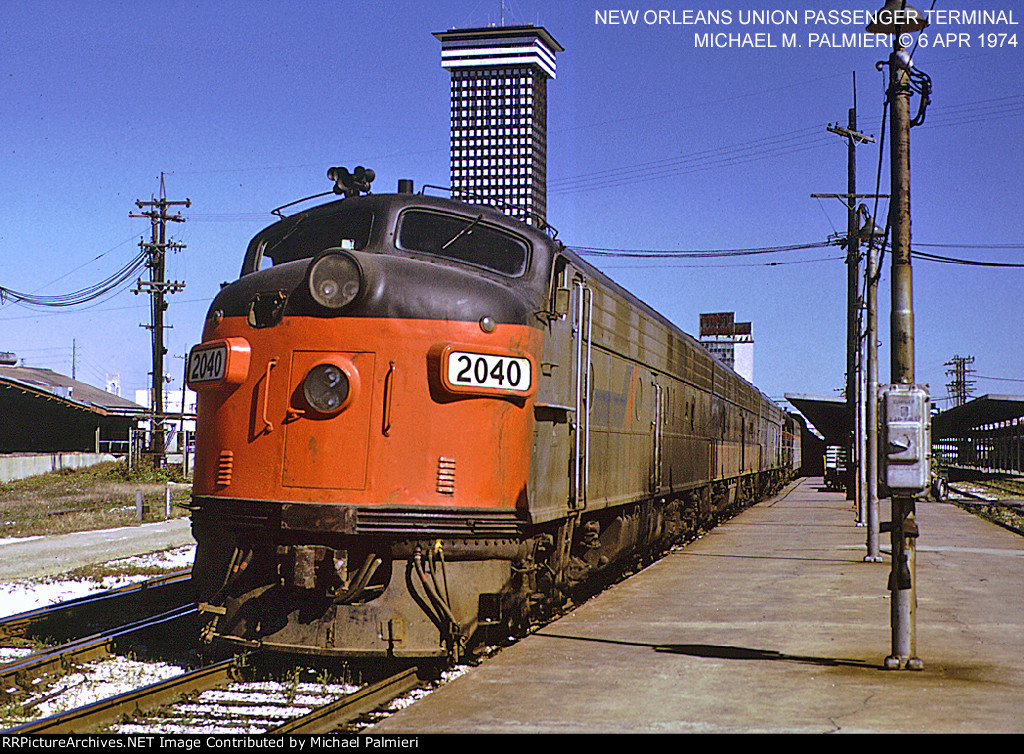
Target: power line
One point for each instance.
(971, 245)
(719, 157)
(954, 260)
(997, 379)
(96, 311)
(82, 296)
(681, 254)
(727, 266)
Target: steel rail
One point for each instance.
(332, 716)
(983, 509)
(92, 716)
(16, 626)
(81, 650)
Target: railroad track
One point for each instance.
(93, 613)
(331, 717)
(1008, 514)
(18, 676)
(75, 620)
(93, 716)
(152, 709)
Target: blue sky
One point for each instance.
(654, 143)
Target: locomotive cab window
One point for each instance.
(463, 239)
(305, 236)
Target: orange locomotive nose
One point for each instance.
(407, 402)
(366, 414)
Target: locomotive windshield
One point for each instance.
(305, 236)
(463, 239)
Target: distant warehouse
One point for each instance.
(42, 411)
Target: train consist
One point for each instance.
(422, 422)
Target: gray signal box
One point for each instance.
(905, 438)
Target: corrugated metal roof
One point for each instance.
(66, 389)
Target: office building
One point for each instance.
(499, 116)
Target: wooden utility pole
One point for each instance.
(157, 287)
(855, 480)
(960, 388)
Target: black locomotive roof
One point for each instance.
(421, 257)
(385, 210)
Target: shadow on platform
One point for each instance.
(725, 652)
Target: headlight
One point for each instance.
(326, 388)
(334, 280)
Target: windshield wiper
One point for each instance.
(462, 232)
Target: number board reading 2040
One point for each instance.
(489, 372)
(208, 364)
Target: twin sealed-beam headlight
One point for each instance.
(335, 280)
(326, 388)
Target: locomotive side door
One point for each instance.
(558, 469)
(582, 331)
(657, 435)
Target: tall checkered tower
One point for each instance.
(499, 116)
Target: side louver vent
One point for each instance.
(446, 475)
(225, 465)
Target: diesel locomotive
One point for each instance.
(423, 423)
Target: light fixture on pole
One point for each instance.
(897, 17)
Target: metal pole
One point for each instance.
(902, 579)
(871, 456)
(862, 445)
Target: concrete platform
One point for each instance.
(770, 623)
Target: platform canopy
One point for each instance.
(988, 409)
(828, 415)
(830, 418)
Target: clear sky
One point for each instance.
(655, 143)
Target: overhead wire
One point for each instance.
(685, 254)
(954, 260)
(726, 156)
(708, 265)
(997, 379)
(81, 296)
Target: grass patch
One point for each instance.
(98, 497)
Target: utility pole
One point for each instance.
(157, 287)
(960, 388)
(855, 480)
(870, 232)
(899, 19)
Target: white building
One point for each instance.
(729, 341)
(175, 422)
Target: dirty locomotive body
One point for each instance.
(422, 425)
